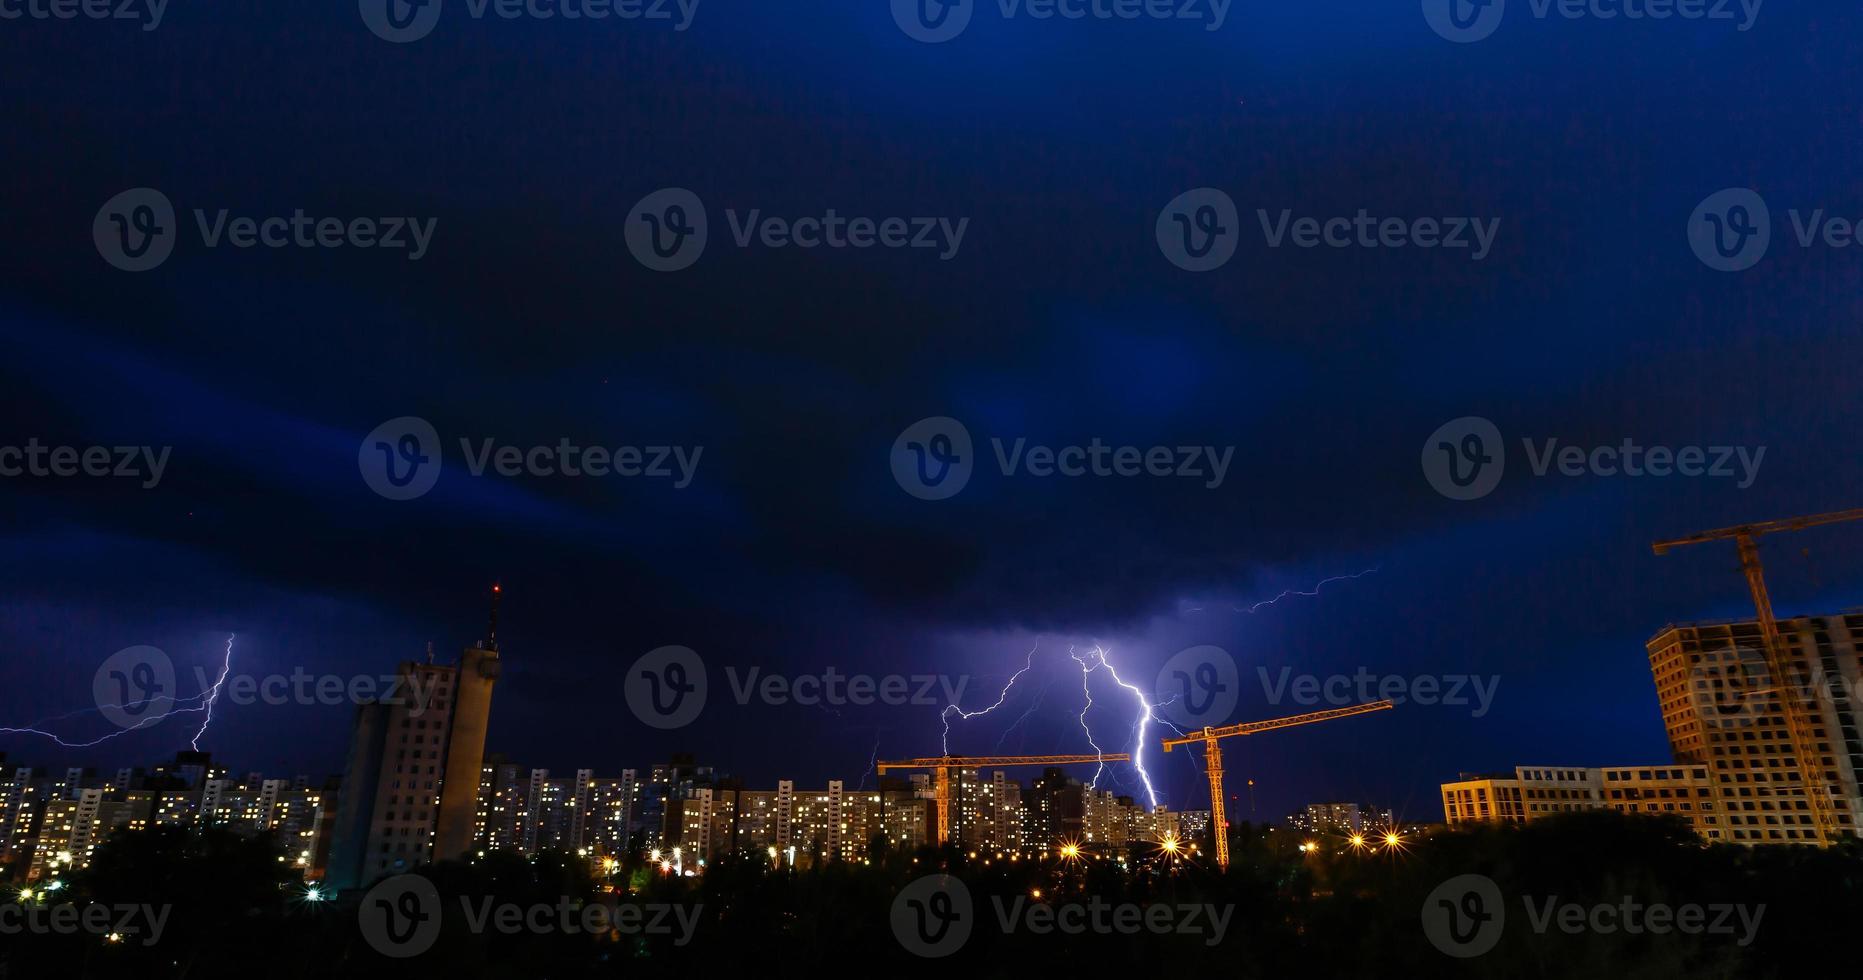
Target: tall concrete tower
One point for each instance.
(410, 789)
(479, 667)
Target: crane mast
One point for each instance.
(1213, 756)
(941, 766)
(1799, 724)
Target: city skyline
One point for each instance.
(997, 720)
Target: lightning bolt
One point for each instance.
(144, 723)
(1307, 592)
(945, 715)
(213, 694)
(1089, 662)
(206, 701)
(873, 762)
(1040, 696)
(1088, 691)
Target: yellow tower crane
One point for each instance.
(1213, 756)
(941, 766)
(1798, 720)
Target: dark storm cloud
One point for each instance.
(1058, 322)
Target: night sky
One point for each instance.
(1057, 321)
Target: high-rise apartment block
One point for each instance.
(416, 756)
(54, 822)
(1736, 775)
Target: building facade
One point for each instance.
(411, 785)
(1736, 776)
(1723, 711)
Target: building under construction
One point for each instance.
(1736, 776)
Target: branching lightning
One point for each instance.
(873, 763)
(1040, 696)
(1306, 592)
(144, 723)
(945, 715)
(1095, 658)
(201, 703)
(1089, 662)
(213, 694)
